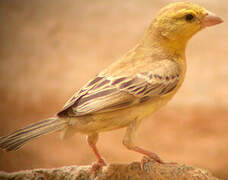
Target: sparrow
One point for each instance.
(130, 89)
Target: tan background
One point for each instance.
(49, 49)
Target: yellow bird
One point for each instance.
(130, 89)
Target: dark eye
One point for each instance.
(189, 17)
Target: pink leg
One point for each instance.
(92, 140)
(151, 155)
(128, 141)
(100, 159)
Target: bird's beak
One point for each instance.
(210, 20)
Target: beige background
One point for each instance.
(49, 49)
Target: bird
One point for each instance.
(130, 89)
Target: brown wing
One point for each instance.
(105, 93)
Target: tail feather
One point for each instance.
(18, 138)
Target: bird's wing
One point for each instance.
(105, 93)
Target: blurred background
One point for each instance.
(49, 49)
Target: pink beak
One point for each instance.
(210, 20)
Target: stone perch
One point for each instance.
(150, 170)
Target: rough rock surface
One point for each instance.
(149, 170)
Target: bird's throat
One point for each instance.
(160, 44)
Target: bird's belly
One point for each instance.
(117, 119)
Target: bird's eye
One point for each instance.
(189, 17)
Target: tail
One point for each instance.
(18, 138)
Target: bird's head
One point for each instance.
(178, 22)
(181, 20)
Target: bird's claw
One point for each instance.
(153, 156)
(147, 159)
(97, 166)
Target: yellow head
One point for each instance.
(178, 22)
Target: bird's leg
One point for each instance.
(129, 139)
(92, 140)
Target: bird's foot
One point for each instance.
(149, 154)
(97, 166)
(156, 158)
(153, 156)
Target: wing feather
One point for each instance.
(105, 93)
